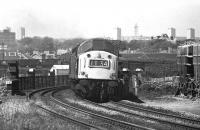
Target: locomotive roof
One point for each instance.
(98, 44)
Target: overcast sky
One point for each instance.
(98, 18)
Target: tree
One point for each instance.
(26, 45)
(26, 41)
(136, 44)
(47, 44)
(70, 43)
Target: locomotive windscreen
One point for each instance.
(98, 44)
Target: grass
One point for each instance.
(149, 91)
(16, 113)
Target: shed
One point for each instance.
(60, 69)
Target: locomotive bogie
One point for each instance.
(96, 90)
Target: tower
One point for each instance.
(22, 32)
(190, 33)
(172, 33)
(136, 30)
(118, 33)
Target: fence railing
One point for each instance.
(37, 82)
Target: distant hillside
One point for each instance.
(70, 43)
(154, 44)
(151, 57)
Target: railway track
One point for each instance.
(159, 113)
(173, 124)
(176, 122)
(58, 115)
(109, 120)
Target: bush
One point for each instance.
(3, 91)
(150, 91)
(19, 114)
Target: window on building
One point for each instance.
(12, 53)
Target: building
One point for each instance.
(62, 51)
(36, 56)
(119, 34)
(172, 33)
(7, 37)
(130, 38)
(9, 54)
(49, 54)
(22, 32)
(136, 30)
(24, 56)
(44, 55)
(171, 36)
(190, 33)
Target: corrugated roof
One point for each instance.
(60, 67)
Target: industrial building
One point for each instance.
(7, 37)
(190, 33)
(172, 33)
(119, 33)
(22, 32)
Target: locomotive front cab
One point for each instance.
(97, 60)
(94, 69)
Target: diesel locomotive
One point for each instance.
(94, 69)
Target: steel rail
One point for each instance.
(125, 125)
(64, 117)
(173, 124)
(156, 111)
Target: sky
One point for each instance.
(99, 18)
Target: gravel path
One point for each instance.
(181, 104)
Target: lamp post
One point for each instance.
(138, 80)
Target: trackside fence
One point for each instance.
(38, 82)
